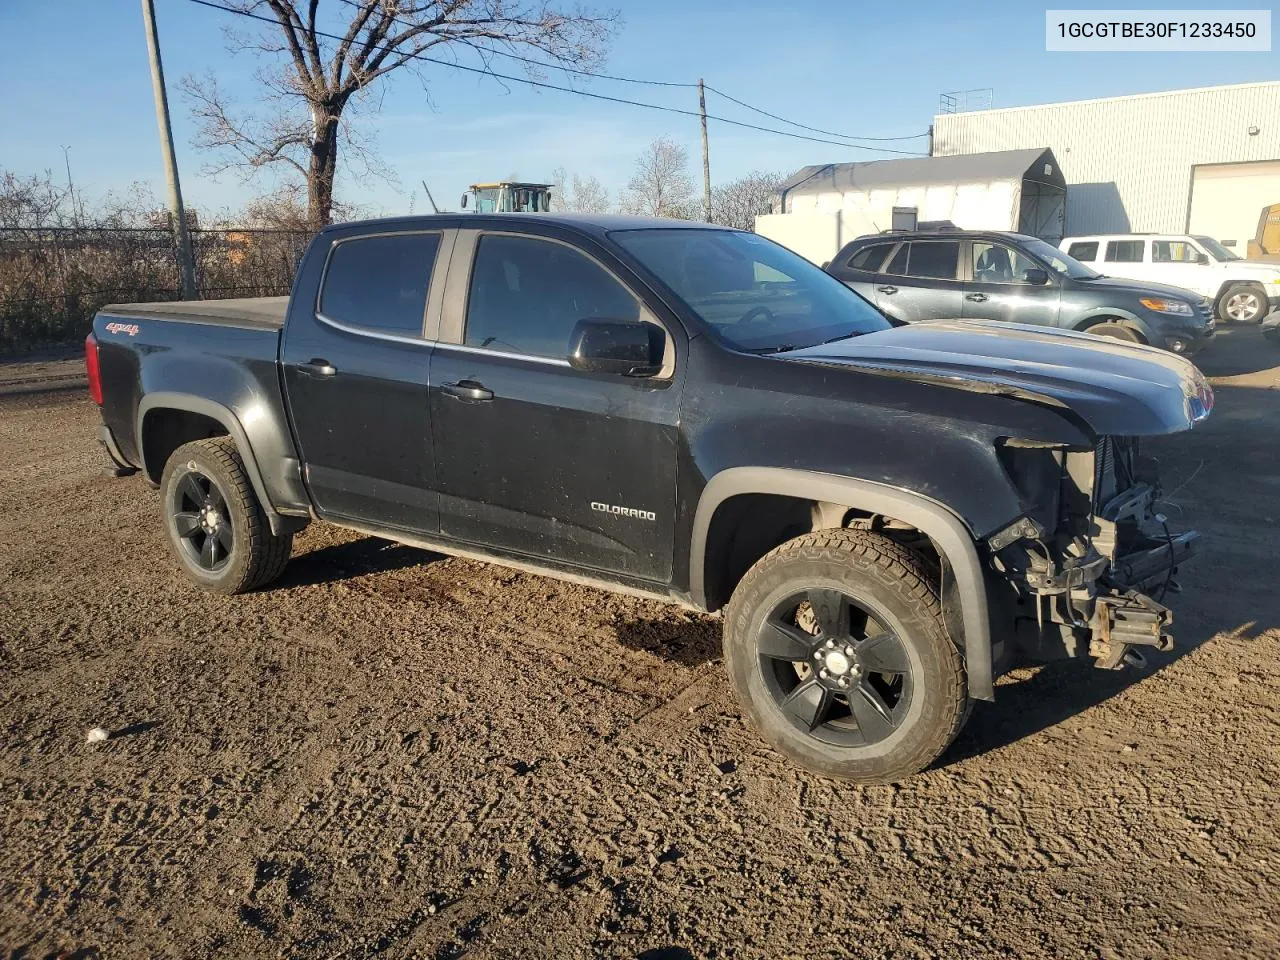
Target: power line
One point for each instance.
(490, 51)
(829, 133)
(581, 93)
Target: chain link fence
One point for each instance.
(54, 279)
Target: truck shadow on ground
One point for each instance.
(687, 639)
(355, 558)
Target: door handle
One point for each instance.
(977, 297)
(317, 368)
(472, 391)
(887, 289)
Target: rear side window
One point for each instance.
(870, 258)
(527, 295)
(380, 283)
(933, 259)
(1125, 251)
(1086, 252)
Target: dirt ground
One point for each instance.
(391, 754)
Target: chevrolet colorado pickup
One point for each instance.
(888, 516)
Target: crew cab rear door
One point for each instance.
(922, 281)
(355, 364)
(533, 457)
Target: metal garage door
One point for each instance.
(1226, 199)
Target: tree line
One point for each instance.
(662, 186)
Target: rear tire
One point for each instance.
(1243, 303)
(837, 652)
(214, 524)
(1117, 331)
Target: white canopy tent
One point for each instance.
(824, 207)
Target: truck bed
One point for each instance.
(260, 313)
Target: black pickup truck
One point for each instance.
(889, 516)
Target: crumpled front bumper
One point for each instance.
(1125, 614)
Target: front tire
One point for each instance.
(1116, 331)
(837, 652)
(1242, 303)
(215, 527)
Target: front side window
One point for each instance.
(933, 259)
(995, 263)
(380, 283)
(527, 295)
(1125, 251)
(755, 295)
(1086, 250)
(1173, 251)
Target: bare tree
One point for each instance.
(737, 204)
(314, 80)
(584, 196)
(661, 186)
(590, 196)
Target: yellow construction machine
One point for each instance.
(508, 196)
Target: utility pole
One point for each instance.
(706, 155)
(178, 217)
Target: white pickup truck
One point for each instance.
(1241, 290)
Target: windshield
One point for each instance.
(1059, 262)
(1216, 250)
(754, 294)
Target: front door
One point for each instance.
(998, 287)
(536, 458)
(355, 371)
(1177, 263)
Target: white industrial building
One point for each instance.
(1203, 161)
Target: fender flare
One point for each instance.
(169, 400)
(936, 520)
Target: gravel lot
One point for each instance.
(394, 754)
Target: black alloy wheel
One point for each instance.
(834, 667)
(203, 521)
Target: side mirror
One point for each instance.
(464, 201)
(625, 349)
(1037, 278)
(1202, 258)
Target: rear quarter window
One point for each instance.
(380, 283)
(870, 258)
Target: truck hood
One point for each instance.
(1253, 270)
(1117, 388)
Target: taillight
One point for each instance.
(91, 368)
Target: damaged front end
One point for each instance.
(1086, 569)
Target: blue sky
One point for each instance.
(874, 69)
